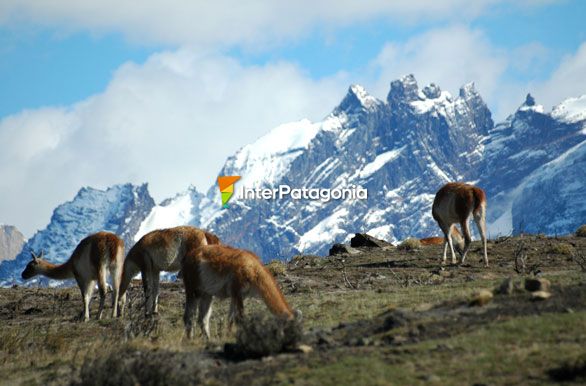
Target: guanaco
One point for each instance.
(226, 272)
(159, 250)
(91, 260)
(454, 203)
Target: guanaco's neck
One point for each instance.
(58, 272)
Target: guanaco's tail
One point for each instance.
(130, 268)
(479, 200)
(268, 289)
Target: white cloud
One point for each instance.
(232, 22)
(169, 122)
(568, 80)
(455, 55)
(449, 57)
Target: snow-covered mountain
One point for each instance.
(11, 242)
(522, 154)
(402, 149)
(119, 209)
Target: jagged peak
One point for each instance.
(356, 97)
(404, 89)
(530, 105)
(468, 90)
(432, 91)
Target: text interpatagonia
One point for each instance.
(352, 192)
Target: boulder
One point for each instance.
(537, 284)
(342, 249)
(365, 240)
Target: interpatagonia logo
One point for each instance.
(226, 184)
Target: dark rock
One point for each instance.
(394, 319)
(365, 240)
(537, 284)
(342, 249)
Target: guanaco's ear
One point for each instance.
(42, 254)
(34, 256)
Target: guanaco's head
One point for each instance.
(33, 267)
(458, 241)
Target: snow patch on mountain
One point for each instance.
(571, 110)
(380, 161)
(179, 210)
(327, 229)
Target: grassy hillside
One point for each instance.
(388, 317)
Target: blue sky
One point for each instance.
(98, 93)
(43, 66)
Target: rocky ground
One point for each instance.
(376, 315)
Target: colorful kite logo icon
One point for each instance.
(226, 184)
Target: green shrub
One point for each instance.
(262, 334)
(562, 249)
(130, 367)
(410, 244)
(581, 231)
(276, 268)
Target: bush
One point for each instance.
(276, 268)
(263, 334)
(410, 244)
(581, 231)
(562, 249)
(130, 367)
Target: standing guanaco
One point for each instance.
(91, 260)
(160, 250)
(454, 203)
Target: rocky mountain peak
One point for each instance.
(432, 91)
(356, 99)
(529, 100)
(11, 242)
(404, 90)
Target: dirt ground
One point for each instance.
(382, 316)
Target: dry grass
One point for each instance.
(581, 231)
(410, 244)
(562, 249)
(42, 343)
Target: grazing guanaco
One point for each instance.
(454, 203)
(160, 250)
(226, 272)
(91, 260)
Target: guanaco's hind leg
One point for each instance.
(480, 220)
(102, 288)
(467, 238)
(156, 289)
(191, 301)
(204, 314)
(87, 288)
(448, 241)
(116, 267)
(116, 274)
